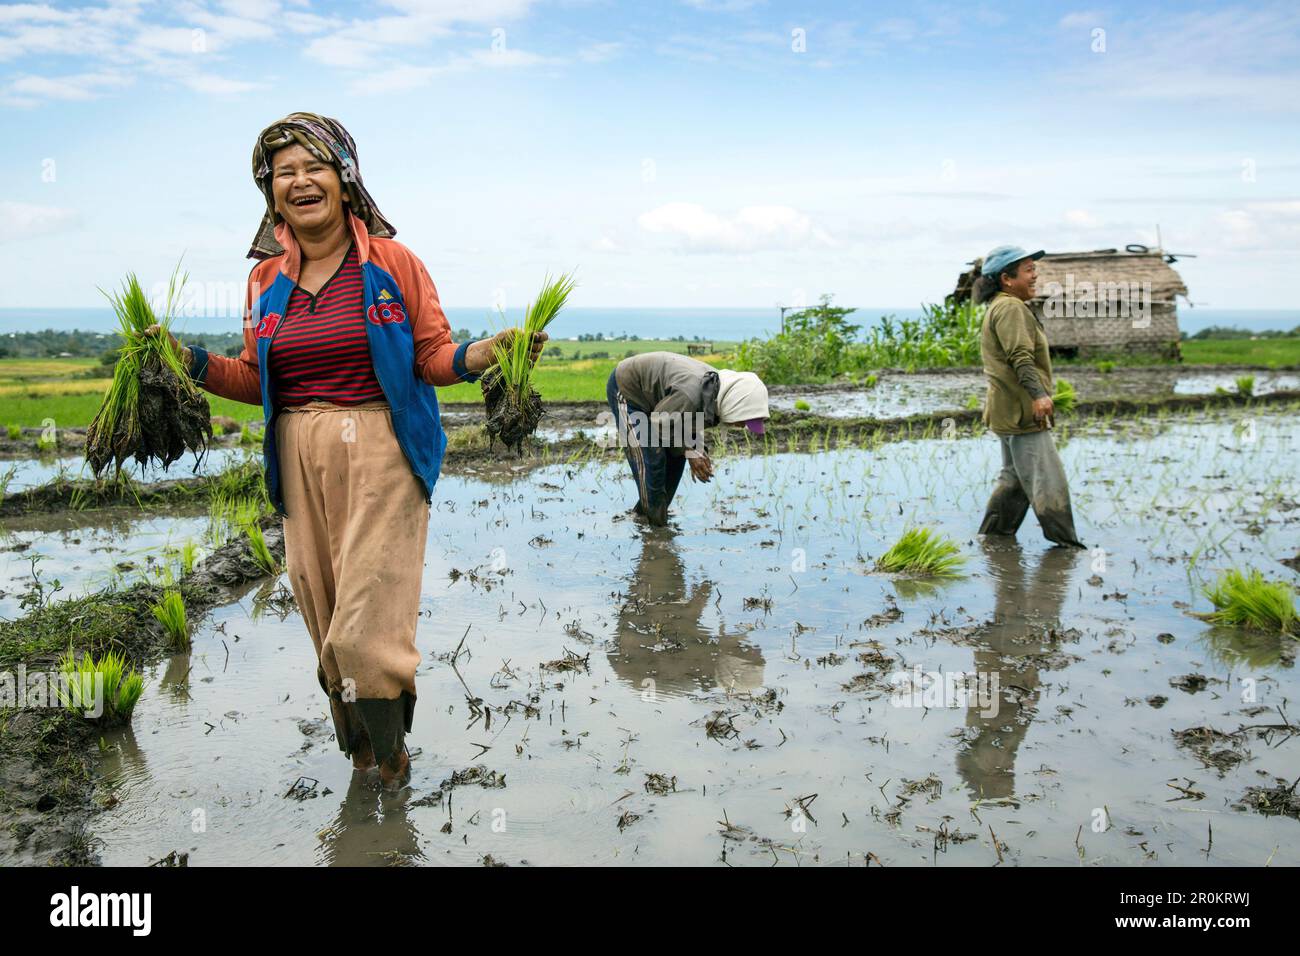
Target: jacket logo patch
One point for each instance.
(388, 312)
(266, 328)
(385, 296)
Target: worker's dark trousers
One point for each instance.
(1032, 475)
(657, 472)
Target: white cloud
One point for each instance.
(20, 221)
(28, 90)
(750, 229)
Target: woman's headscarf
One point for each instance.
(742, 397)
(327, 140)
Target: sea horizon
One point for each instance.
(724, 324)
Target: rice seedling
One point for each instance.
(15, 432)
(973, 403)
(922, 551)
(257, 545)
(513, 406)
(1248, 600)
(802, 405)
(1246, 385)
(84, 679)
(1106, 367)
(152, 410)
(1063, 401)
(170, 612)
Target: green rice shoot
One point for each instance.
(1248, 600)
(514, 361)
(922, 551)
(122, 686)
(1065, 398)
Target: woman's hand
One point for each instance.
(1043, 408)
(186, 355)
(701, 468)
(481, 355)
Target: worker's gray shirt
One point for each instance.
(671, 387)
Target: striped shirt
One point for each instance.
(320, 350)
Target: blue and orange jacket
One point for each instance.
(410, 346)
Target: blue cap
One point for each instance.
(1001, 257)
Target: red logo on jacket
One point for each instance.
(266, 327)
(386, 312)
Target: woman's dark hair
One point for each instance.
(986, 287)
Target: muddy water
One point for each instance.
(759, 606)
(899, 395)
(30, 472)
(81, 552)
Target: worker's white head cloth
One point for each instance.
(742, 397)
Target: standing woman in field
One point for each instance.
(1018, 408)
(344, 341)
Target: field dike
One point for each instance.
(48, 758)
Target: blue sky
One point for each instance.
(724, 153)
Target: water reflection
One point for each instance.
(661, 634)
(1026, 613)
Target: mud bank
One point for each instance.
(49, 758)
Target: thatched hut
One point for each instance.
(1105, 301)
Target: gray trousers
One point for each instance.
(1032, 475)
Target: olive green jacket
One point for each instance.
(1017, 363)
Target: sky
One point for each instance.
(706, 153)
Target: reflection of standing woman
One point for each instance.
(344, 341)
(661, 403)
(1018, 408)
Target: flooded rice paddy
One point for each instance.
(897, 395)
(727, 690)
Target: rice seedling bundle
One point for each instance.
(152, 411)
(1063, 401)
(922, 551)
(121, 686)
(513, 406)
(1248, 600)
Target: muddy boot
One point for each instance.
(349, 728)
(1058, 527)
(387, 722)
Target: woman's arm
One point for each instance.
(438, 359)
(234, 378)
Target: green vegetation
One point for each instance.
(1248, 600)
(121, 685)
(514, 364)
(820, 344)
(170, 612)
(261, 553)
(1106, 366)
(1246, 385)
(1065, 398)
(922, 551)
(1269, 352)
(802, 405)
(152, 410)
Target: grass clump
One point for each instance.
(1106, 367)
(1246, 385)
(802, 405)
(922, 551)
(1248, 600)
(513, 406)
(170, 612)
(152, 410)
(257, 545)
(86, 678)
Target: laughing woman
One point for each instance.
(344, 341)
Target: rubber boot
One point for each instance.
(386, 723)
(349, 727)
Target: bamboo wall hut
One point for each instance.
(1105, 301)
